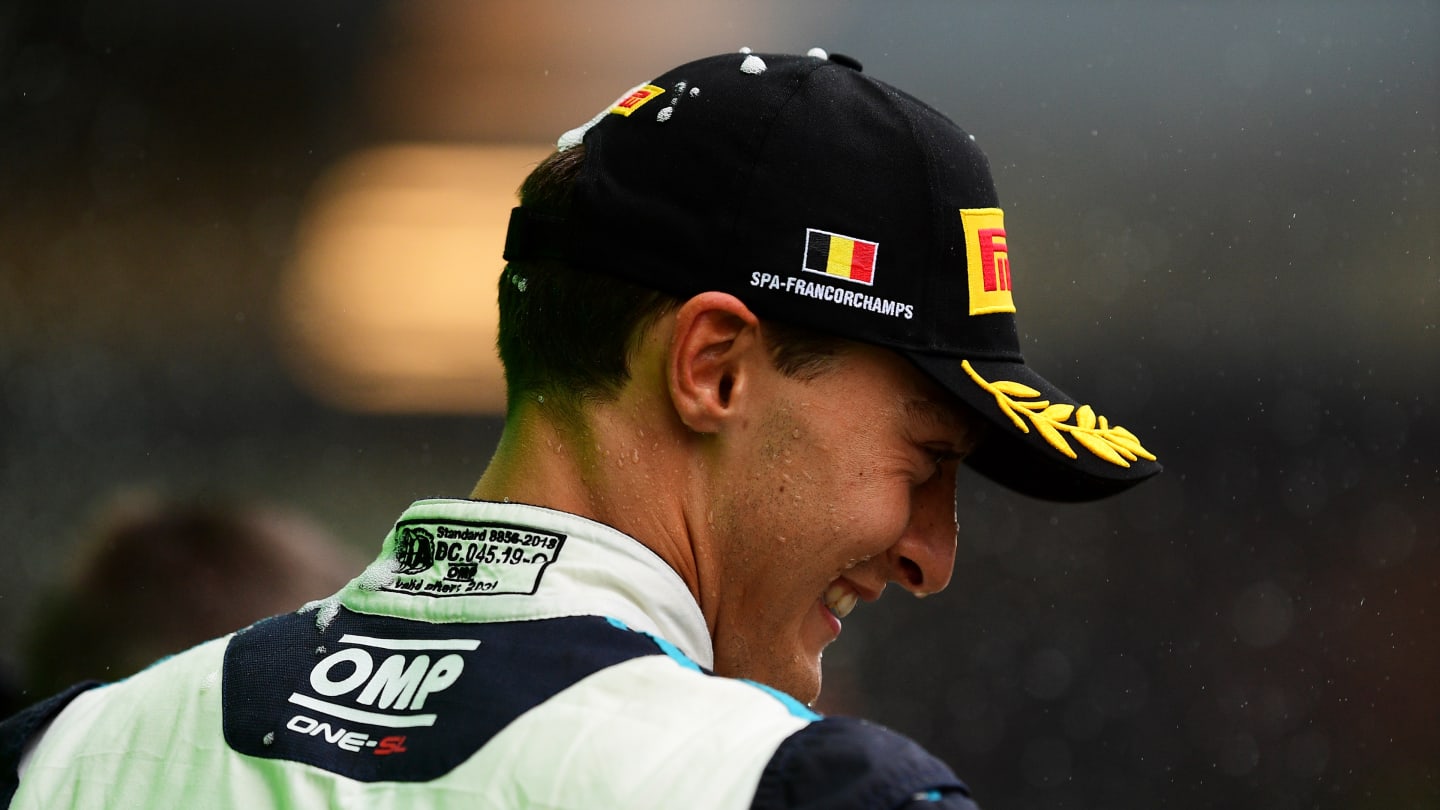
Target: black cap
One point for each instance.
(827, 199)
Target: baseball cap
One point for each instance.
(827, 199)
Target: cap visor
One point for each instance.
(1042, 442)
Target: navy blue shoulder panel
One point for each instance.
(18, 729)
(842, 763)
(377, 698)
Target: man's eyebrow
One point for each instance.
(945, 416)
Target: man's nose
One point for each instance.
(924, 557)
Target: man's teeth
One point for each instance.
(840, 600)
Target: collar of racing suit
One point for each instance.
(480, 561)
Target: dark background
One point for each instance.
(1225, 220)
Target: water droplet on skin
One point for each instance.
(795, 434)
(635, 455)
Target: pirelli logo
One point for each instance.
(636, 99)
(840, 256)
(987, 260)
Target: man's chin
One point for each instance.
(801, 684)
(797, 675)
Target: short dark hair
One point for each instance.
(566, 335)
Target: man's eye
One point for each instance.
(939, 457)
(942, 455)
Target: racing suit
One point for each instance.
(494, 655)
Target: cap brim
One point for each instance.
(1042, 442)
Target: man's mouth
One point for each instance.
(840, 599)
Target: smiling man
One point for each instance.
(755, 315)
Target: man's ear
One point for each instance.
(716, 338)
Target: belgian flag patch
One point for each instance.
(841, 256)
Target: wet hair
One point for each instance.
(566, 335)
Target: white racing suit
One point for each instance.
(494, 656)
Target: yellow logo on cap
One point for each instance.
(987, 258)
(637, 97)
(1110, 442)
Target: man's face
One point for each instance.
(835, 486)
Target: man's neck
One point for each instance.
(613, 466)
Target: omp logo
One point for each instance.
(351, 686)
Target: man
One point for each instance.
(755, 314)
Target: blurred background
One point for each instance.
(248, 252)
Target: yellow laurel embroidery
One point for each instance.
(1112, 443)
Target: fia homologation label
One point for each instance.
(452, 558)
